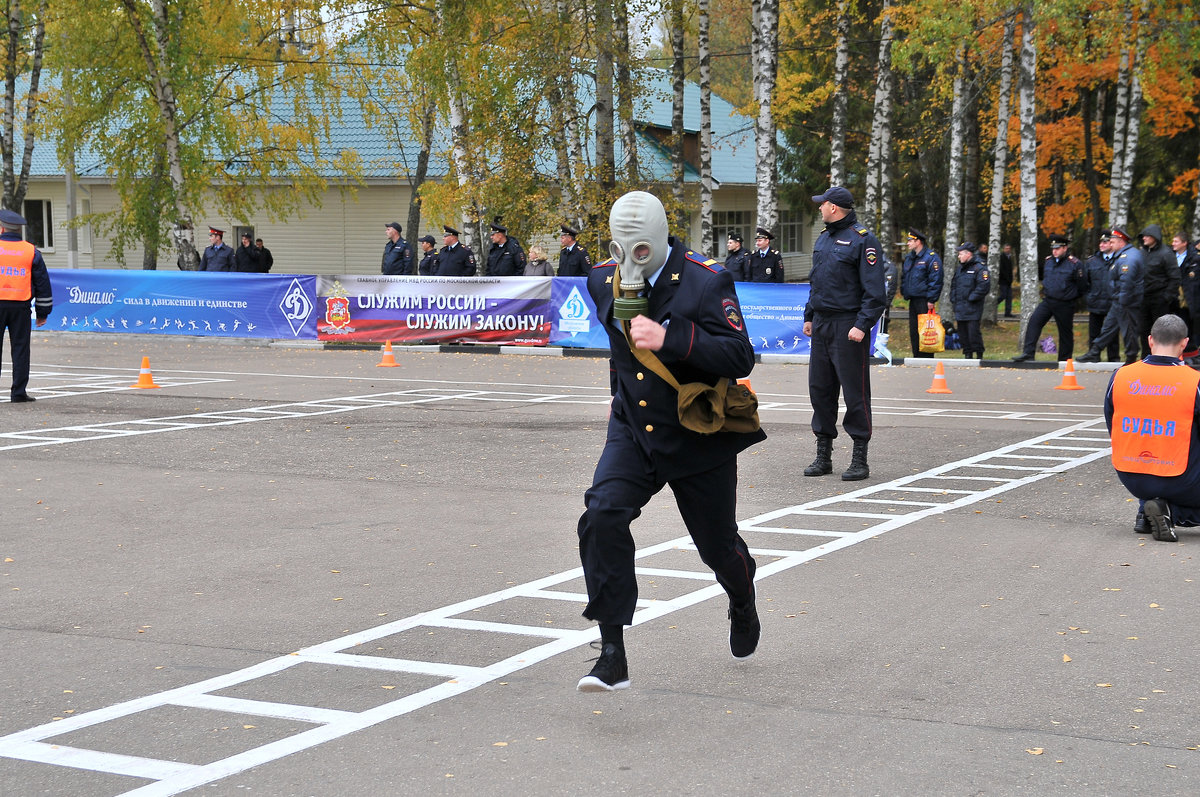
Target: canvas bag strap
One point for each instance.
(645, 357)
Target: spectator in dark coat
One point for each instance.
(1162, 282)
(968, 289)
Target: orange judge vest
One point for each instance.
(16, 271)
(1153, 407)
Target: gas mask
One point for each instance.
(638, 226)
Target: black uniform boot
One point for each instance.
(824, 462)
(858, 469)
(1092, 355)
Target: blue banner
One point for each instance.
(219, 304)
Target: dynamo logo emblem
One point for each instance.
(574, 314)
(296, 306)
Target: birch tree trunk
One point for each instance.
(841, 99)
(154, 53)
(879, 151)
(954, 180)
(765, 61)
(1116, 212)
(706, 178)
(1000, 160)
(625, 91)
(677, 87)
(15, 185)
(1134, 125)
(1027, 74)
(606, 166)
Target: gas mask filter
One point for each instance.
(638, 227)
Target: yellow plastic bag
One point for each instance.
(931, 335)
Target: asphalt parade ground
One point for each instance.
(287, 571)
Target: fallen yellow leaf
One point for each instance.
(1035, 750)
(1066, 658)
(1103, 684)
(500, 744)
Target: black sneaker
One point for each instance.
(610, 673)
(23, 398)
(744, 629)
(1022, 358)
(1139, 523)
(1158, 518)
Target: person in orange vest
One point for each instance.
(23, 276)
(1152, 409)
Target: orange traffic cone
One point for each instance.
(388, 361)
(939, 380)
(145, 378)
(1069, 382)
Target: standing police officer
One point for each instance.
(921, 284)
(397, 257)
(766, 264)
(429, 259)
(454, 260)
(1128, 287)
(23, 276)
(737, 262)
(968, 289)
(573, 260)
(845, 301)
(1099, 296)
(505, 258)
(1063, 281)
(217, 256)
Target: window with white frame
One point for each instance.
(790, 235)
(727, 222)
(39, 227)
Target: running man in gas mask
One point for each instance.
(682, 307)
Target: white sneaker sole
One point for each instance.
(590, 683)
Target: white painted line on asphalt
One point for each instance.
(173, 778)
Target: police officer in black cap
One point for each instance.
(397, 257)
(455, 259)
(573, 260)
(766, 264)
(429, 256)
(737, 262)
(1063, 281)
(505, 258)
(921, 278)
(846, 299)
(23, 276)
(967, 291)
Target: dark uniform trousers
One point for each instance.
(836, 362)
(1121, 323)
(624, 482)
(1096, 323)
(1063, 313)
(15, 317)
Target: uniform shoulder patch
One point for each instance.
(732, 314)
(701, 260)
(862, 231)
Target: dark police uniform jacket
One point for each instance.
(247, 260)
(1099, 278)
(1128, 277)
(456, 261)
(968, 288)
(429, 264)
(765, 266)
(1063, 279)
(397, 258)
(505, 260)
(706, 340)
(1189, 273)
(738, 265)
(847, 274)
(574, 262)
(921, 276)
(217, 258)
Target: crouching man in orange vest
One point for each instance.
(1153, 413)
(23, 276)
